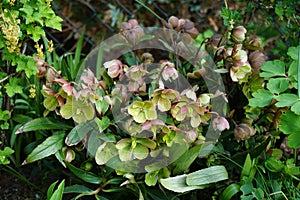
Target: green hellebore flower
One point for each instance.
(80, 110)
(163, 98)
(142, 111)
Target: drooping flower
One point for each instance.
(239, 71)
(243, 132)
(115, 68)
(256, 58)
(238, 34)
(220, 123)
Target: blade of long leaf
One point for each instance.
(58, 193)
(50, 146)
(43, 124)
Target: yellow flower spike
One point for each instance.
(32, 91)
(50, 46)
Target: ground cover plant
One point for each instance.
(163, 112)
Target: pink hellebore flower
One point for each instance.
(220, 123)
(115, 68)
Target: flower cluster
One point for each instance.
(242, 54)
(182, 25)
(10, 29)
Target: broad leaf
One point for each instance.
(208, 175)
(286, 99)
(261, 98)
(50, 146)
(278, 85)
(290, 125)
(178, 184)
(273, 69)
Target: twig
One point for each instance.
(7, 77)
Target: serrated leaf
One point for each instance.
(261, 98)
(50, 146)
(43, 124)
(84, 175)
(26, 63)
(290, 125)
(54, 22)
(178, 184)
(206, 176)
(278, 85)
(13, 87)
(273, 69)
(36, 31)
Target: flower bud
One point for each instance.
(238, 34)
(173, 21)
(243, 132)
(253, 43)
(69, 154)
(256, 58)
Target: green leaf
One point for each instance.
(274, 165)
(296, 107)
(178, 184)
(13, 87)
(140, 152)
(151, 178)
(105, 152)
(290, 125)
(278, 85)
(77, 189)
(54, 22)
(85, 176)
(230, 191)
(58, 193)
(273, 69)
(208, 175)
(43, 124)
(293, 52)
(50, 146)
(36, 31)
(184, 162)
(102, 123)
(261, 98)
(50, 190)
(26, 63)
(286, 99)
(50, 103)
(146, 142)
(79, 132)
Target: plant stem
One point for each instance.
(299, 70)
(149, 9)
(20, 176)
